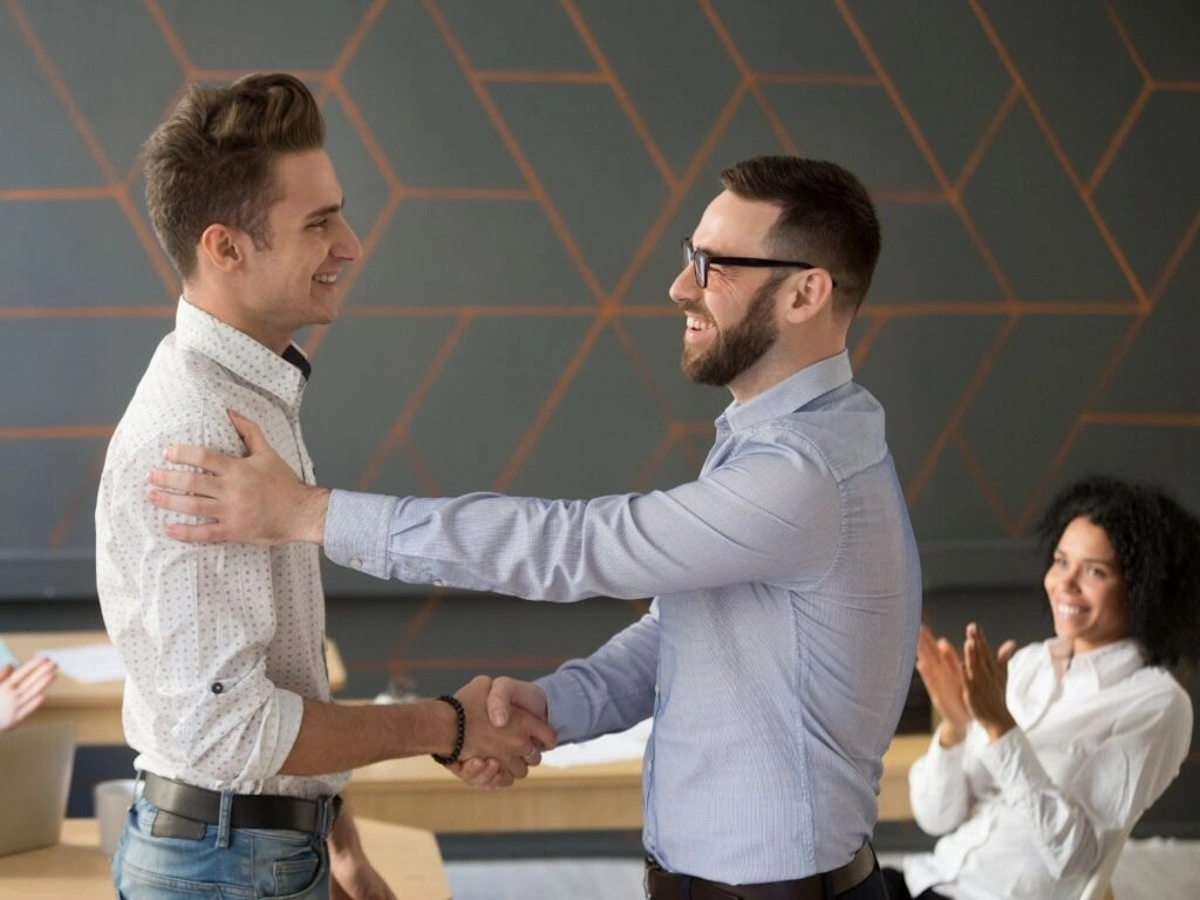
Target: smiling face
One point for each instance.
(732, 323)
(294, 281)
(1085, 588)
(717, 355)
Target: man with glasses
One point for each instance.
(780, 643)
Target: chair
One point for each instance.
(1097, 886)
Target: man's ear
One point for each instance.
(221, 246)
(809, 293)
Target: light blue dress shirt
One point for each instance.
(778, 650)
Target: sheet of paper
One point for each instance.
(90, 664)
(623, 745)
(6, 656)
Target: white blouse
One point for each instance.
(1099, 737)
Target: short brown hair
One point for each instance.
(212, 160)
(827, 217)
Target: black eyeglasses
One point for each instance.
(700, 260)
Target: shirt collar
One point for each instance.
(1105, 665)
(284, 375)
(1084, 674)
(790, 394)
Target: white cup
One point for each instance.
(112, 800)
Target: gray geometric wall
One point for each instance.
(521, 172)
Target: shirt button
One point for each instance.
(217, 687)
(437, 582)
(355, 562)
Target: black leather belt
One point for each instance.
(664, 885)
(246, 810)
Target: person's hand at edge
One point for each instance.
(22, 691)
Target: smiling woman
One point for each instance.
(1124, 560)
(1055, 755)
(1085, 587)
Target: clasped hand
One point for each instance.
(968, 687)
(506, 731)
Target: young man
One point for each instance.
(241, 754)
(780, 643)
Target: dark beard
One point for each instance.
(736, 350)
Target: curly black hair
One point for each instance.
(1157, 545)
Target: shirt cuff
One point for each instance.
(357, 527)
(1014, 764)
(566, 706)
(945, 757)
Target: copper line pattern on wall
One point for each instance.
(612, 304)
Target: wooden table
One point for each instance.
(96, 708)
(421, 793)
(407, 858)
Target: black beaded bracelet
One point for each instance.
(459, 738)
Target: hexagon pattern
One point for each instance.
(521, 173)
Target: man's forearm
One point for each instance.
(334, 737)
(310, 516)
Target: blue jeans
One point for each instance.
(225, 863)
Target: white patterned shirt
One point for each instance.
(1034, 813)
(220, 641)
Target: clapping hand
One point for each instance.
(941, 672)
(985, 680)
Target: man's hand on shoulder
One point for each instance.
(255, 499)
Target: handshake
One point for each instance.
(506, 731)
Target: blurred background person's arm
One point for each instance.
(23, 690)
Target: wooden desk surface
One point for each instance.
(96, 708)
(407, 858)
(421, 793)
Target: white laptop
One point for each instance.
(35, 776)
